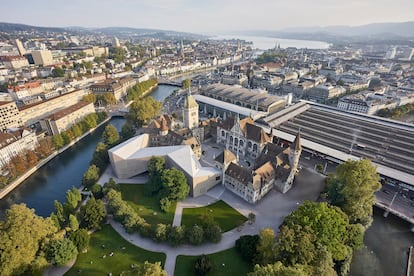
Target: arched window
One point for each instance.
(255, 148)
(241, 143)
(223, 133)
(231, 139)
(249, 145)
(236, 141)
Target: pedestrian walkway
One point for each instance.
(270, 212)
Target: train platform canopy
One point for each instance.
(346, 135)
(235, 109)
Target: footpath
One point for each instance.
(270, 212)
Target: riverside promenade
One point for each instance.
(10, 187)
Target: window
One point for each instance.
(249, 145)
(255, 148)
(223, 133)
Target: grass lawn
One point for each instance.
(233, 264)
(146, 206)
(121, 260)
(227, 217)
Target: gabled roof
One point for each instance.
(226, 157)
(239, 173)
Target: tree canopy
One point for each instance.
(140, 112)
(352, 188)
(21, 236)
(110, 135)
(327, 224)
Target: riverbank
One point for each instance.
(149, 90)
(10, 187)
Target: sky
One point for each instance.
(205, 16)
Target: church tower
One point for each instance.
(190, 112)
(295, 151)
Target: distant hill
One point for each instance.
(403, 29)
(15, 27)
(388, 33)
(142, 32)
(121, 32)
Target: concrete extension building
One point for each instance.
(65, 118)
(131, 158)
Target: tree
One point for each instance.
(21, 235)
(76, 130)
(176, 235)
(91, 176)
(278, 269)
(165, 204)
(174, 184)
(140, 112)
(96, 190)
(328, 223)
(110, 135)
(110, 185)
(246, 246)
(90, 120)
(185, 84)
(19, 163)
(161, 232)
(45, 147)
(60, 213)
(73, 197)
(89, 98)
(265, 247)
(212, 233)
(127, 131)
(155, 169)
(195, 235)
(202, 265)
(80, 239)
(353, 188)
(146, 269)
(58, 141)
(31, 158)
(100, 156)
(60, 252)
(93, 214)
(73, 223)
(58, 72)
(296, 244)
(66, 137)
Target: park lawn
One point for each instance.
(146, 206)
(121, 260)
(227, 217)
(233, 264)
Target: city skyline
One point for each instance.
(205, 17)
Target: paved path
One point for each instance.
(270, 212)
(58, 270)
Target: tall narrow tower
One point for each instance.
(190, 112)
(295, 151)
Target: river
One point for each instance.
(64, 171)
(387, 240)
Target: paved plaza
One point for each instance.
(270, 212)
